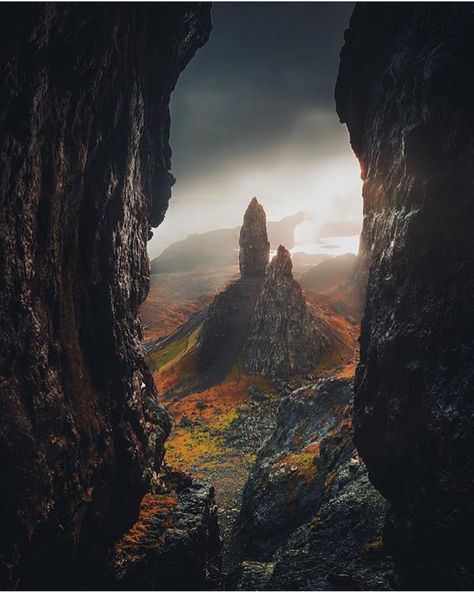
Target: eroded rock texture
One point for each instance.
(254, 245)
(405, 91)
(310, 519)
(262, 320)
(284, 337)
(85, 172)
(228, 317)
(175, 544)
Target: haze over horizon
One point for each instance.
(253, 114)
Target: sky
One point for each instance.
(253, 114)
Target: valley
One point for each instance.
(279, 413)
(223, 413)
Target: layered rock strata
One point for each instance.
(405, 91)
(85, 159)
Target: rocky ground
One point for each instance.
(216, 437)
(177, 527)
(258, 384)
(310, 519)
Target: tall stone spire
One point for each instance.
(254, 245)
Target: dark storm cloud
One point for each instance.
(253, 114)
(265, 65)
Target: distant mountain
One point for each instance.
(219, 248)
(302, 262)
(329, 273)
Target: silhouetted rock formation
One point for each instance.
(405, 90)
(85, 172)
(310, 519)
(284, 337)
(254, 251)
(227, 325)
(228, 316)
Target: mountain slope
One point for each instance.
(259, 324)
(219, 248)
(329, 273)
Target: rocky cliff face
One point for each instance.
(175, 544)
(405, 91)
(310, 519)
(284, 337)
(85, 172)
(254, 245)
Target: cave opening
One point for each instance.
(256, 367)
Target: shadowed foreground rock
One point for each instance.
(175, 543)
(405, 90)
(85, 160)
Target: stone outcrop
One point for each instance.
(217, 249)
(175, 544)
(284, 337)
(85, 165)
(228, 316)
(262, 320)
(405, 92)
(254, 251)
(310, 519)
(226, 327)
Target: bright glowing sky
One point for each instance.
(253, 114)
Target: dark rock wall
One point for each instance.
(85, 166)
(405, 90)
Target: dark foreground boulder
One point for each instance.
(174, 545)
